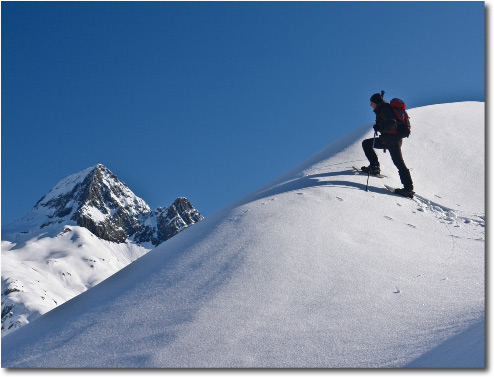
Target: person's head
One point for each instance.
(375, 100)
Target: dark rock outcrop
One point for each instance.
(169, 221)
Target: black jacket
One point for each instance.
(385, 118)
(386, 123)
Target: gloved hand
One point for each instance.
(376, 128)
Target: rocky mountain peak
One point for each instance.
(96, 199)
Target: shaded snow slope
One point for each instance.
(308, 271)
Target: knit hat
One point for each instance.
(377, 98)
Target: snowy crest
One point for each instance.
(95, 193)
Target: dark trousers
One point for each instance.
(396, 156)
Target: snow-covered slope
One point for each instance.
(87, 227)
(308, 271)
(45, 272)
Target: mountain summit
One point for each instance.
(98, 201)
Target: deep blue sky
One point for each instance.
(212, 100)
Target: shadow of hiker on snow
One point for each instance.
(316, 180)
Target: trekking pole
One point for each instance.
(368, 174)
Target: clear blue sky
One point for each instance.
(213, 100)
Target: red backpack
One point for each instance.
(401, 116)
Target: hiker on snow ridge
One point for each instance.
(389, 139)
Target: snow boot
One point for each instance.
(372, 170)
(405, 192)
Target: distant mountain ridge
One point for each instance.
(98, 201)
(89, 226)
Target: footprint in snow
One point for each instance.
(270, 200)
(389, 218)
(412, 226)
(235, 218)
(340, 199)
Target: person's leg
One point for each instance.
(397, 157)
(369, 151)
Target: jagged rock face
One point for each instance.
(97, 200)
(169, 221)
(173, 219)
(105, 193)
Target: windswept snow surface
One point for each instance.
(309, 271)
